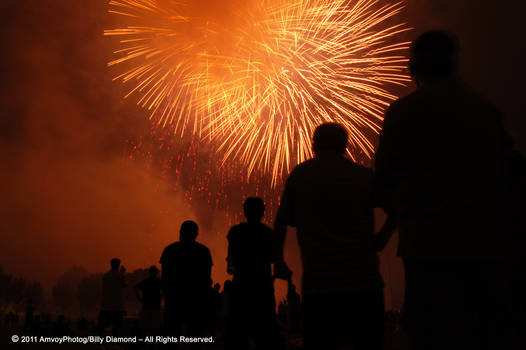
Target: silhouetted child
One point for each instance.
(148, 291)
(112, 307)
(252, 307)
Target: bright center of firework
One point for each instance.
(256, 77)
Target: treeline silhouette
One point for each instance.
(16, 291)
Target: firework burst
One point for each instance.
(256, 77)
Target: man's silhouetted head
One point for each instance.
(330, 138)
(189, 231)
(434, 55)
(115, 263)
(254, 208)
(153, 270)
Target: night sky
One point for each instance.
(71, 197)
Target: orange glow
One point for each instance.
(256, 77)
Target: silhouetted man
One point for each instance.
(112, 308)
(148, 291)
(252, 307)
(330, 201)
(186, 281)
(294, 303)
(440, 163)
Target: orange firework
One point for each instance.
(256, 77)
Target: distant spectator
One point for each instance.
(252, 308)
(112, 308)
(148, 292)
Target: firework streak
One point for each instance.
(256, 77)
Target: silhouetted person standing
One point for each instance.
(517, 227)
(252, 307)
(112, 308)
(294, 304)
(148, 291)
(440, 163)
(330, 201)
(186, 282)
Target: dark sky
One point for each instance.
(69, 195)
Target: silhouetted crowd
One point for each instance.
(447, 176)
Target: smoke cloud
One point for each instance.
(70, 194)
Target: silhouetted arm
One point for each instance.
(387, 162)
(123, 271)
(280, 233)
(209, 266)
(229, 262)
(136, 290)
(381, 238)
(284, 218)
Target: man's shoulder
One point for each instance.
(305, 167)
(363, 170)
(265, 228)
(405, 102)
(201, 247)
(302, 167)
(237, 228)
(475, 98)
(169, 250)
(171, 247)
(246, 228)
(316, 163)
(150, 282)
(342, 168)
(112, 274)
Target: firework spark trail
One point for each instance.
(257, 77)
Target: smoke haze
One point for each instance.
(70, 194)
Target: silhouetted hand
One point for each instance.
(282, 271)
(123, 269)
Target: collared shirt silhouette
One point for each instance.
(150, 289)
(250, 250)
(112, 306)
(330, 200)
(113, 283)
